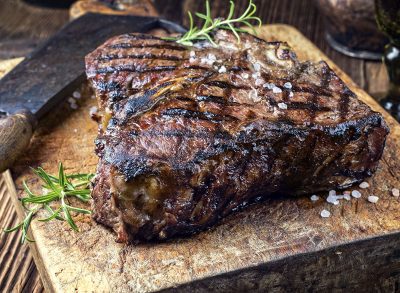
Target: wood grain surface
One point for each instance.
(26, 24)
(18, 270)
(236, 252)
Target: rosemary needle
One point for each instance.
(210, 24)
(56, 189)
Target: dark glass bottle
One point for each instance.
(388, 18)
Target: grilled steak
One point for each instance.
(189, 134)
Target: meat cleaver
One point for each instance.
(53, 71)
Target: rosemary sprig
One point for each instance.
(55, 189)
(209, 25)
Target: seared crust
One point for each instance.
(190, 134)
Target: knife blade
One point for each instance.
(53, 71)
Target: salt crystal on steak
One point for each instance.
(222, 69)
(276, 90)
(287, 85)
(282, 106)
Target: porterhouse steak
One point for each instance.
(189, 134)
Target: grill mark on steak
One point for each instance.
(208, 116)
(324, 82)
(199, 67)
(144, 45)
(237, 69)
(129, 68)
(343, 104)
(190, 144)
(184, 99)
(177, 133)
(211, 98)
(311, 106)
(140, 56)
(314, 90)
(226, 85)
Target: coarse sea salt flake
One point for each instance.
(347, 196)
(314, 197)
(373, 199)
(222, 69)
(73, 106)
(212, 57)
(269, 86)
(259, 81)
(257, 66)
(291, 95)
(332, 198)
(287, 85)
(395, 192)
(364, 185)
(276, 90)
(282, 106)
(92, 110)
(71, 100)
(207, 60)
(325, 214)
(356, 194)
(192, 54)
(254, 96)
(332, 192)
(76, 95)
(245, 75)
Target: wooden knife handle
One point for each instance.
(15, 134)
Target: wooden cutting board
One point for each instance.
(282, 244)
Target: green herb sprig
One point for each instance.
(55, 188)
(203, 33)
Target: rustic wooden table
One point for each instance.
(25, 24)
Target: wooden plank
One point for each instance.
(253, 243)
(24, 26)
(17, 268)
